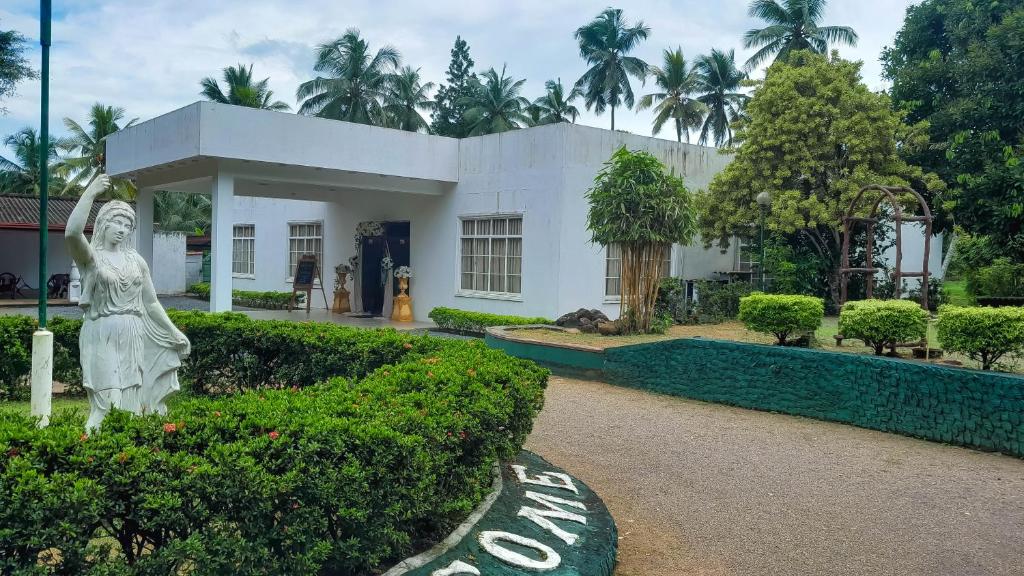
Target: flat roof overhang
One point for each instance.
(276, 154)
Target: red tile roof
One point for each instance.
(22, 212)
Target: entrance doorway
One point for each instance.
(375, 284)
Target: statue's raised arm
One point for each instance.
(74, 232)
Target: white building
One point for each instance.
(494, 223)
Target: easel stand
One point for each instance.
(305, 270)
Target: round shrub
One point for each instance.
(781, 314)
(881, 323)
(982, 334)
(342, 477)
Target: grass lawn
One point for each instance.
(80, 405)
(956, 293)
(734, 330)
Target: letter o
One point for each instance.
(489, 540)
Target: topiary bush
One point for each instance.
(881, 323)
(342, 477)
(781, 314)
(476, 322)
(982, 334)
(272, 299)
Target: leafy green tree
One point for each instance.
(87, 149)
(604, 43)
(495, 104)
(182, 212)
(815, 136)
(447, 117)
(792, 25)
(958, 65)
(554, 106)
(355, 83)
(719, 82)
(20, 175)
(677, 82)
(404, 96)
(13, 65)
(637, 205)
(241, 90)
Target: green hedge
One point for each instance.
(881, 323)
(254, 299)
(982, 334)
(342, 477)
(781, 314)
(16, 355)
(466, 321)
(1003, 279)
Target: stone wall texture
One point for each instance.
(966, 407)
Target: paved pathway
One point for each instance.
(700, 488)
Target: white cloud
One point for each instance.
(149, 56)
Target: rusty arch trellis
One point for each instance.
(890, 194)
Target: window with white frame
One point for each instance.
(492, 254)
(304, 238)
(243, 249)
(613, 269)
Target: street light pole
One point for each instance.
(764, 201)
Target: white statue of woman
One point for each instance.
(130, 349)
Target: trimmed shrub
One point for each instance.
(477, 322)
(271, 299)
(781, 314)
(15, 356)
(881, 323)
(1003, 279)
(982, 334)
(718, 301)
(340, 478)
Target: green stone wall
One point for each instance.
(966, 407)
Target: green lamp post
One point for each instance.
(764, 202)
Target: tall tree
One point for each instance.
(718, 82)
(87, 149)
(241, 90)
(555, 106)
(355, 82)
(792, 25)
(959, 66)
(404, 96)
(604, 43)
(20, 175)
(187, 212)
(678, 82)
(495, 104)
(447, 117)
(13, 65)
(815, 136)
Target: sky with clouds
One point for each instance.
(149, 55)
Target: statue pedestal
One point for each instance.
(403, 303)
(341, 301)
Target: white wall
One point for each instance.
(168, 268)
(19, 255)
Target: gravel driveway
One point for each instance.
(699, 488)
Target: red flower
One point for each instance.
(274, 435)
(430, 374)
(170, 428)
(83, 437)
(217, 413)
(13, 452)
(462, 434)
(407, 346)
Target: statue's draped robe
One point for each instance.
(129, 361)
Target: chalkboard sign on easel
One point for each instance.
(306, 271)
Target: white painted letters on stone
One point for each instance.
(456, 568)
(541, 517)
(489, 540)
(549, 479)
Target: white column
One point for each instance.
(221, 230)
(144, 224)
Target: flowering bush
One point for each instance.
(343, 477)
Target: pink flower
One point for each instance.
(217, 413)
(274, 435)
(170, 428)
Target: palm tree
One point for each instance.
(21, 175)
(604, 43)
(182, 212)
(355, 84)
(677, 82)
(241, 90)
(792, 25)
(718, 82)
(87, 149)
(495, 104)
(404, 96)
(554, 106)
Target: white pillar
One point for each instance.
(221, 230)
(42, 375)
(144, 224)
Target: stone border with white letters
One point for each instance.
(538, 520)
